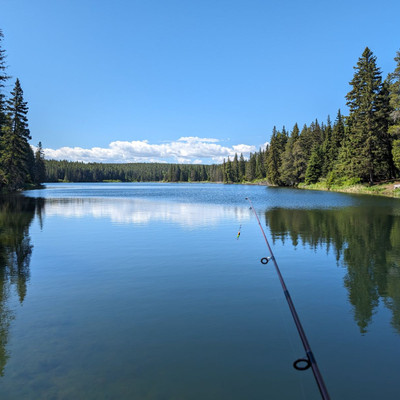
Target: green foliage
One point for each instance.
(288, 173)
(3, 80)
(367, 152)
(16, 158)
(274, 156)
(394, 93)
(39, 166)
(251, 168)
(314, 167)
(396, 153)
(363, 146)
(68, 171)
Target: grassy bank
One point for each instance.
(381, 189)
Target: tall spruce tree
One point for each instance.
(274, 156)
(394, 90)
(326, 146)
(394, 128)
(338, 134)
(383, 112)
(40, 169)
(251, 167)
(287, 170)
(16, 158)
(314, 166)
(366, 154)
(242, 168)
(3, 79)
(301, 154)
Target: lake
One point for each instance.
(143, 291)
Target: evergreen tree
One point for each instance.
(383, 112)
(338, 134)
(235, 169)
(40, 169)
(394, 128)
(251, 168)
(3, 79)
(394, 90)
(242, 168)
(13, 159)
(314, 167)
(17, 158)
(275, 151)
(228, 172)
(260, 168)
(366, 154)
(17, 110)
(287, 169)
(301, 154)
(326, 146)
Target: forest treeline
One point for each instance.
(68, 171)
(19, 165)
(363, 146)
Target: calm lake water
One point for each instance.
(142, 291)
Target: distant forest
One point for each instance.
(361, 147)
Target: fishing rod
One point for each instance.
(302, 363)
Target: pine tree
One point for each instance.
(242, 168)
(366, 152)
(260, 167)
(235, 169)
(301, 154)
(3, 79)
(383, 112)
(16, 112)
(287, 169)
(394, 90)
(314, 167)
(338, 134)
(251, 168)
(40, 169)
(274, 161)
(326, 146)
(17, 158)
(394, 128)
(228, 172)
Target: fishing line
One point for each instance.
(302, 363)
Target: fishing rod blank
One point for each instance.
(302, 363)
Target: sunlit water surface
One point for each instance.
(142, 291)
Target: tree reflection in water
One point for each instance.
(16, 216)
(366, 240)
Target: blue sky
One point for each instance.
(187, 81)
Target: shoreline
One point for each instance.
(385, 189)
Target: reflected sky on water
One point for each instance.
(143, 291)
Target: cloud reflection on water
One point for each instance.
(143, 211)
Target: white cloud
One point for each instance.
(184, 150)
